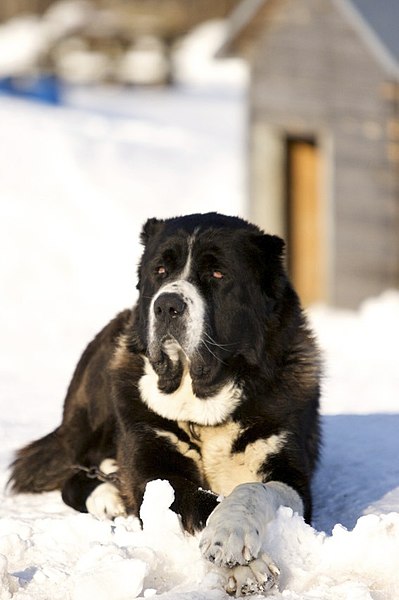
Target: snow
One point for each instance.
(75, 186)
(371, 338)
(145, 62)
(194, 59)
(77, 64)
(25, 39)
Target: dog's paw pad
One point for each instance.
(258, 577)
(105, 502)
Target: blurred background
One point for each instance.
(285, 112)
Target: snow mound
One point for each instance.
(355, 565)
(75, 556)
(78, 557)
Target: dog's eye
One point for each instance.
(160, 270)
(217, 275)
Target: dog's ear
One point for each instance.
(271, 248)
(271, 255)
(150, 228)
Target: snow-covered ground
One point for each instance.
(75, 187)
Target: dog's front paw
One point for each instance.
(258, 577)
(228, 545)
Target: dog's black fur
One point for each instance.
(254, 335)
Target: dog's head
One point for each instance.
(209, 285)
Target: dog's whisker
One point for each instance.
(213, 354)
(211, 341)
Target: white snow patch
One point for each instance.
(23, 40)
(361, 357)
(194, 59)
(103, 575)
(358, 564)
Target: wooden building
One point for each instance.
(323, 137)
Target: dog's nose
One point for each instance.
(169, 306)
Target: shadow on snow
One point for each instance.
(359, 465)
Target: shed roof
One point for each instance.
(377, 21)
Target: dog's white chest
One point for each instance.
(222, 468)
(215, 434)
(225, 469)
(183, 404)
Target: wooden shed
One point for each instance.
(323, 138)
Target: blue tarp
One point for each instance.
(44, 88)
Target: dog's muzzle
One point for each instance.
(175, 331)
(170, 319)
(176, 315)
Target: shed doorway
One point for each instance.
(304, 219)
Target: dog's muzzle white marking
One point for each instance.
(191, 320)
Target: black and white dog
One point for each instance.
(211, 382)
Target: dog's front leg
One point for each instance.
(236, 531)
(145, 455)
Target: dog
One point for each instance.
(211, 382)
